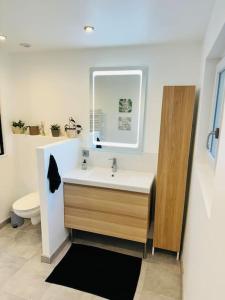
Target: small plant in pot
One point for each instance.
(18, 127)
(73, 129)
(55, 129)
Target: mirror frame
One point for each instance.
(143, 72)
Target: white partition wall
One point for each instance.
(66, 154)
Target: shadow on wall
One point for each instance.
(1, 138)
(191, 156)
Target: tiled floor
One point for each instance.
(22, 275)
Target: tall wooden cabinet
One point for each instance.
(174, 147)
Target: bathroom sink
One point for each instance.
(103, 177)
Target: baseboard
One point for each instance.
(5, 222)
(49, 260)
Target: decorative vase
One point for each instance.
(71, 132)
(55, 132)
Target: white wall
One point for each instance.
(26, 161)
(204, 245)
(7, 178)
(51, 86)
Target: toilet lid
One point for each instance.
(27, 202)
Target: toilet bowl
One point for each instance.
(28, 207)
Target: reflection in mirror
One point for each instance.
(1, 138)
(117, 114)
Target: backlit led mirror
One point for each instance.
(117, 107)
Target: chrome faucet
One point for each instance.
(114, 164)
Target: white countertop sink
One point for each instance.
(121, 180)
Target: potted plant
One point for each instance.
(33, 130)
(55, 129)
(72, 129)
(18, 127)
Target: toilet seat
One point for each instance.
(28, 202)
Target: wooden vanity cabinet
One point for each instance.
(111, 212)
(173, 161)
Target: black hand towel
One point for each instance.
(53, 175)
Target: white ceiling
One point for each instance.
(54, 24)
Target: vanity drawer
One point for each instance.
(107, 200)
(126, 227)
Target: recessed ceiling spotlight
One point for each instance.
(25, 45)
(2, 37)
(89, 28)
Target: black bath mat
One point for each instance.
(96, 271)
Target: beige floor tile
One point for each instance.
(27, 284)
(5, 242)
(9, 265)
(7, 296)
(7, 231)
(25, 251)
(31, 228)
(85, 296)
(137, 296)
(162, 258)
(146, 295)
(57, 292)
(22, 275)
(163, 279)
(25, 244)
(35, 265)
(19, 242)
(140, 284)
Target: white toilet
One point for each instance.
(28, 207)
